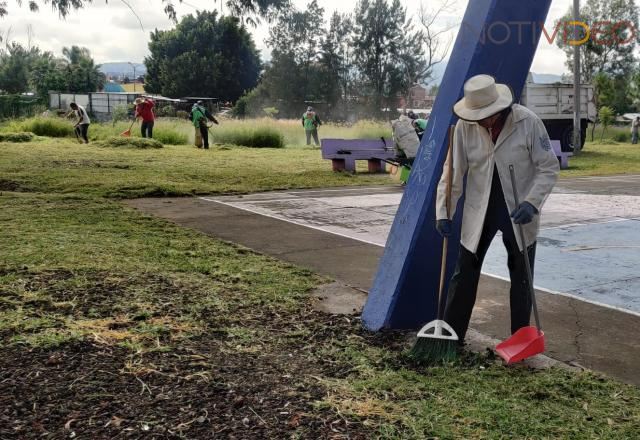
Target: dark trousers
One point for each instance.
(83, 131)
(313, 133)
(464, 283)
(147, 129)
(204, 132)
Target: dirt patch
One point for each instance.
(339, 299)
(197, 391)
(11, 186)
(246, 372)
(98, 294)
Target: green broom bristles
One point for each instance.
(431, 351)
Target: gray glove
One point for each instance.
(524, 213)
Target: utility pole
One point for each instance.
(133, 66)
(577, 142)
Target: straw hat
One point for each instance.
(138, 101)
(483, 98)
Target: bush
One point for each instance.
(256, 137)
(120, 113)
(129, 142)
(622, 136)
(271, 112)
(169, 136)
(16, 137)
(51, 127)
(166, 110)
(181, 114)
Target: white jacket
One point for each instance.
(523, 143)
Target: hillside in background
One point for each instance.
(538, 78)
(122, 69)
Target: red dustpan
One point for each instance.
(528, 341)
(523, 344)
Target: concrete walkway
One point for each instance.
(329, 233)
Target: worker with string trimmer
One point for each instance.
(493, 134)
(199, 115)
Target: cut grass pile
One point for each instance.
(168, 131)
(16, 137)
(139, 325)
(129, 142)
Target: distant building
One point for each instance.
(112, 87)
(419, 97)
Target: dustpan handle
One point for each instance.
(525, 252)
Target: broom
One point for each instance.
(437, 341)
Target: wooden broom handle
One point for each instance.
(445, 241)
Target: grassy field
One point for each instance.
(64, 167)
(139, 88)
(601, 159)
(113, 323)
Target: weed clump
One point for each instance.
(129, 142)
(252, 137)
(16, 137)
(170, 136)
(622, 136)
(51, 127)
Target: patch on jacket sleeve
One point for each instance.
(545, 143)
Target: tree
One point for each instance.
(83, 75)
(47, 74)
(203, 56)
(296, 39)
(337, 71)
(250, 10)
(606, 115)
(387, 51)
(634, 90)
(435, 46)
(611, 46)
(14, 69)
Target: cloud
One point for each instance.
(112, 33)
(150, 18)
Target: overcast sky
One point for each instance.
(112, 32)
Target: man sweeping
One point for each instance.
(492, 134)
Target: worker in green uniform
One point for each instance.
(199, 115)
(420, 125)
(311, 122)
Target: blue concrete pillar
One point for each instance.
(499, 38)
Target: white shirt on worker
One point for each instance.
(82, 113)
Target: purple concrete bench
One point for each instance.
(343, 153)
(562, 156)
